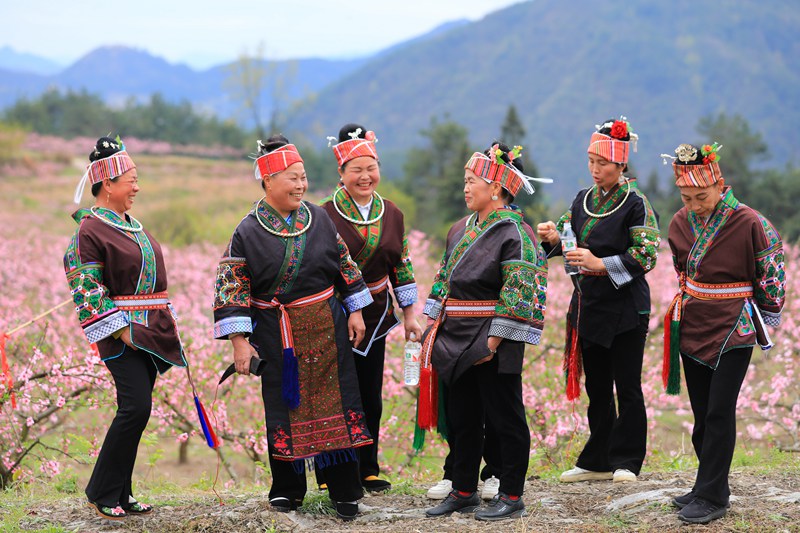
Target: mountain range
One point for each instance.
(566, 66)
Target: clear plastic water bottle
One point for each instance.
(569, 243)
(411, 362)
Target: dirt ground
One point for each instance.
(759, 503)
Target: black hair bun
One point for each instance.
(616, 129)
(688, 154)
(347, 129)
(104, 147)
(514, 161)
(273, 143)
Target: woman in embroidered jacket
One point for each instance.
(487, 301)
(730, 266)
(618, 239)
(373, 230)
(116, 273)
(275, 284)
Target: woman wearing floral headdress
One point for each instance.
(373, 230)
(730, 266)
(115, 270)
(607, 321)
(486, 303)
(282, 286)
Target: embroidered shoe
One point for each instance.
(682, 501)
(581, 474)
(623, 475)
(500, 508)
(283, 504)
(440, 490)
(323, 486)
(109, 513)
(139, 508)
(455, 503)
(702, 511)
(490, 488)
(375, 484)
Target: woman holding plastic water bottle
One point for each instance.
(373, 229)
(617, 237)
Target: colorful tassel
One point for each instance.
(205, 424)
(290, 379)
(572, 363)
(428, 408)
(670, 366)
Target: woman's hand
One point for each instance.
(356, 327)
(125, 337)
(242, 352)
(411, 325)
(492, 344)
(583, 257)
(547, 232)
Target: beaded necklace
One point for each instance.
(609, 213)
(289, 234)
(117, 225)
(354, 221)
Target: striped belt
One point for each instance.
(706, 291)
(455, 308)
(593, 272)
(142, 302)
(286, 325)
(378, 286)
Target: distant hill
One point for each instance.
(568, 65)
(15, 61)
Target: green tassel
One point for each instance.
(674, 378)
(419, 438)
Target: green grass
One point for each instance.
(317, 504)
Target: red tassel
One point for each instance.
(428, 401)
(7, 370)
(572, 365)
(665, 361)
(212, 434)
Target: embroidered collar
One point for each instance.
(274, 223)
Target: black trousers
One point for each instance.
(618, 439)
(369, 370)
(134, 375)
(713, 395)
(480, 394)
(344, 483)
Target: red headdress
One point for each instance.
(276, 161)
(615, 145)
(354, 147)
(695, 167)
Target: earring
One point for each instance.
(108, 197)
(495, 197)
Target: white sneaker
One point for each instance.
(622, 475)
(440, 490)
(490, 488)
(581, 474)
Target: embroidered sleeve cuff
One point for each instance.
(617, 272)
(228, 326)
(514, 330)
(432, 308)
(357, 301)
(406, 295)
(771, 319)
(105, 327)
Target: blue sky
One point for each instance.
(203, 33)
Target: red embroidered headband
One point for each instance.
(109, 167)
(701, 168)
(276, 161)
(355, 147)
(611, 146)
(493, 169)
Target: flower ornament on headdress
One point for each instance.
(614, 145)
(354, 147)
(109, 167)
(493, 168)
(695, 167)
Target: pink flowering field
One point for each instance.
(65, 397)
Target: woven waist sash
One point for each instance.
(378, 286)
(455, 308)
(142, 302)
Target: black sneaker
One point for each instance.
(500, 508)
(346, 510)
(455, 503)
(702, 511)
(682, 501)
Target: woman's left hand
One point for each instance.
(583, 257)
(492, 344)
(356, 327)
